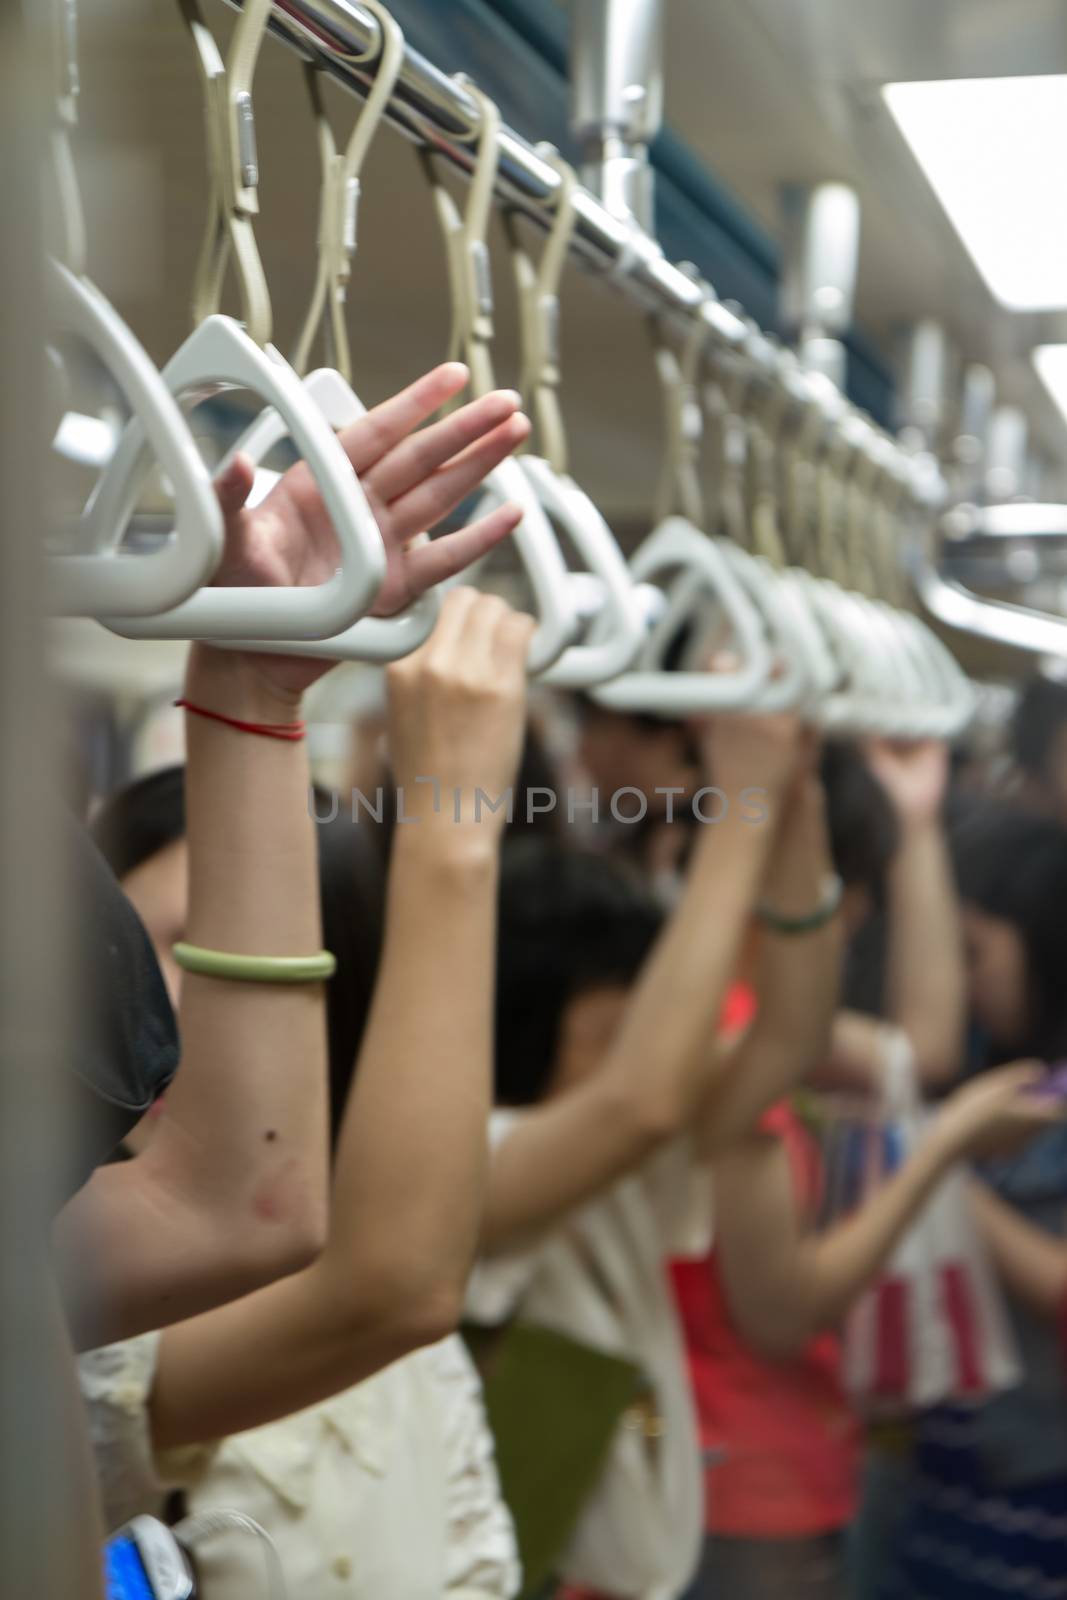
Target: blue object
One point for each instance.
(124, 1572)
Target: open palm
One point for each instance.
(412, 477)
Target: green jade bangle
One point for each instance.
(255, 969)
(825, 911)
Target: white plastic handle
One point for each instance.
(677, 543)
(823, 668)
(217, 356)
(619, 628)
(791, 685)
(958, 696)
(377, 639)
(558, 620)
(862, 703)
(91, 584)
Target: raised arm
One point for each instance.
(1032, 1263)
(231, 1191)
(786, 1283)
(410, 1168)
(797, 977)
(925, 976)
(567, 1149)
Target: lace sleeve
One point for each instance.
(116, 1385)
(482, 1559)
(116, 1382)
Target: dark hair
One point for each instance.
(140, 820)
(1013, 866)
(148, 815)
(569, 921)
(352, 887)
(859, 814)
(1039, 716)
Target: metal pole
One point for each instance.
(617, 100)
(430, 108)
(819, 284)
(48, 1538)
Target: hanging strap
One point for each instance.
(765, 432)
(469, 274)
(831, 527)
(70, 243)
(679, 489)
(723, 403)
(801, 469)
(340, 194)
(861, 523)
(232, 166)
(538, 292)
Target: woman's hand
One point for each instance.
(755, 751)
(412, 477)
(913, 774)
(998, 1111)
(457, 715)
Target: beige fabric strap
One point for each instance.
(831, 526)
(801, 501)
(339, 199)
(765, 439)
(469, 274)
(538, 292)
(232, 166)
(69, 243)
(679, 488)
(860, 524)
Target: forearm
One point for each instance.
(411, 1167)
(926, 982)
(572, 1146)
(832, 1270)
(409, 1174)
(677, 1003)
(797, 983)
(231, 1191)
(1031, 1263)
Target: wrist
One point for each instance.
(437, 844)
(919, 824)
(226, 681)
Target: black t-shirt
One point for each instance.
(124, 1045)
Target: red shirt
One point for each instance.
(787, 1441)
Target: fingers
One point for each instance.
(235, 484)
(445, 557)
(415, 459)
(381, 430)
(449, 629)
(511, 646)
(426, 504)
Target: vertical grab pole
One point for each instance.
(48, 1531)
(819, 282)
(617, 101)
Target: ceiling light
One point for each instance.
(988, 148)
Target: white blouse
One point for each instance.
(386, 1492)
(601, 1279)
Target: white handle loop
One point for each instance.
(220, 355)
(93, 584)
(708, 577)
(376, 639)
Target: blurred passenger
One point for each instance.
(991, 1482)
(761, 1313)
(1039, 746)
(612, 1094)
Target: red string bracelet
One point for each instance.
(266, 730)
